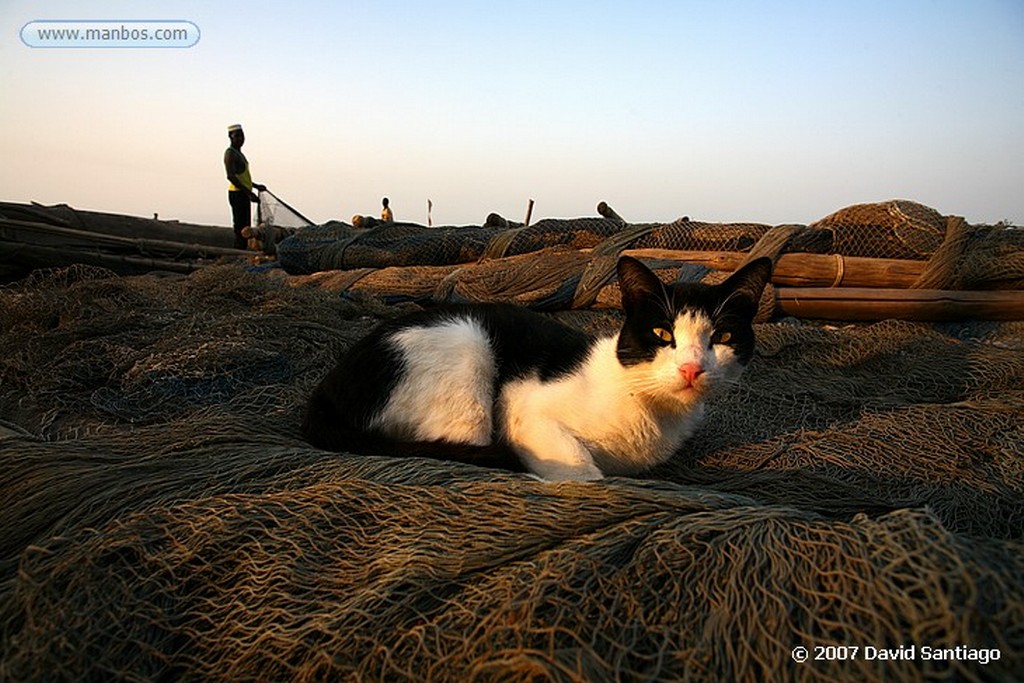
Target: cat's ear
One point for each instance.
(637, 283)
(750, 280)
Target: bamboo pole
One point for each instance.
(121, 225)
(608, 212)
(94, 238)
(804, 270)
(39, 255)
(861, 304)
(931, 305)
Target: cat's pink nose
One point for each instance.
(691, 371)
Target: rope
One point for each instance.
(840, 270)
(499, 244)
(604, 258)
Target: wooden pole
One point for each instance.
(43, 256)
(608, 212)
(804, 270)
(529, 213)
(932, 305)
(88, 237)
(859, 304)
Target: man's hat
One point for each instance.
(234, 127)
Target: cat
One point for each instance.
(503, 386)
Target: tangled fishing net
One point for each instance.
(274, 211)
(895, 229)
(162, 517)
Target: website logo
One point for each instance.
(129, 33)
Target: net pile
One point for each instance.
(162, 517)
(36, 236)
(896, 229)
(895, 245)
(339, 246)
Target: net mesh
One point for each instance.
(896, 229)
(340, 246)
(275, 212)
(163, 518)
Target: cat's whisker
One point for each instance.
(665, 303)
(725, 301)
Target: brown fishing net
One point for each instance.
(340, 246)
(552, 279)
(162, 518)
(897, 228)
(569, 264)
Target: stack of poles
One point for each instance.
(847, 288)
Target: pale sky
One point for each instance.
(725, 111)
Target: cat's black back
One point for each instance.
(524, 343)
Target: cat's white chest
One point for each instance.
(598, 417)
(628, 434)
(640, 438)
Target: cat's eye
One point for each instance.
(724, 338)
(663, 334)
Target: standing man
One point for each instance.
(240, 194)
(386, 215)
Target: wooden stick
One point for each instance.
(933, 305)
(608, 212)
(42, 256)
(121, 225)
(93, 238)
(804, 270)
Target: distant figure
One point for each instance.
(240, 194)
(386, 215)
(364, 222)
(495, 220)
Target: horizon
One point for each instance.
(728, 112)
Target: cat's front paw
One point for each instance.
(560, 472)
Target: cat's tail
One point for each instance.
(335, 435)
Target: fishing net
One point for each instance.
(275, 221)
(897, 229)
(163, 519)
(276, 212)
(340, 246)
(867, 245)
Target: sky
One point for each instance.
(776, 112)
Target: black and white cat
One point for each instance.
(501, 385)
